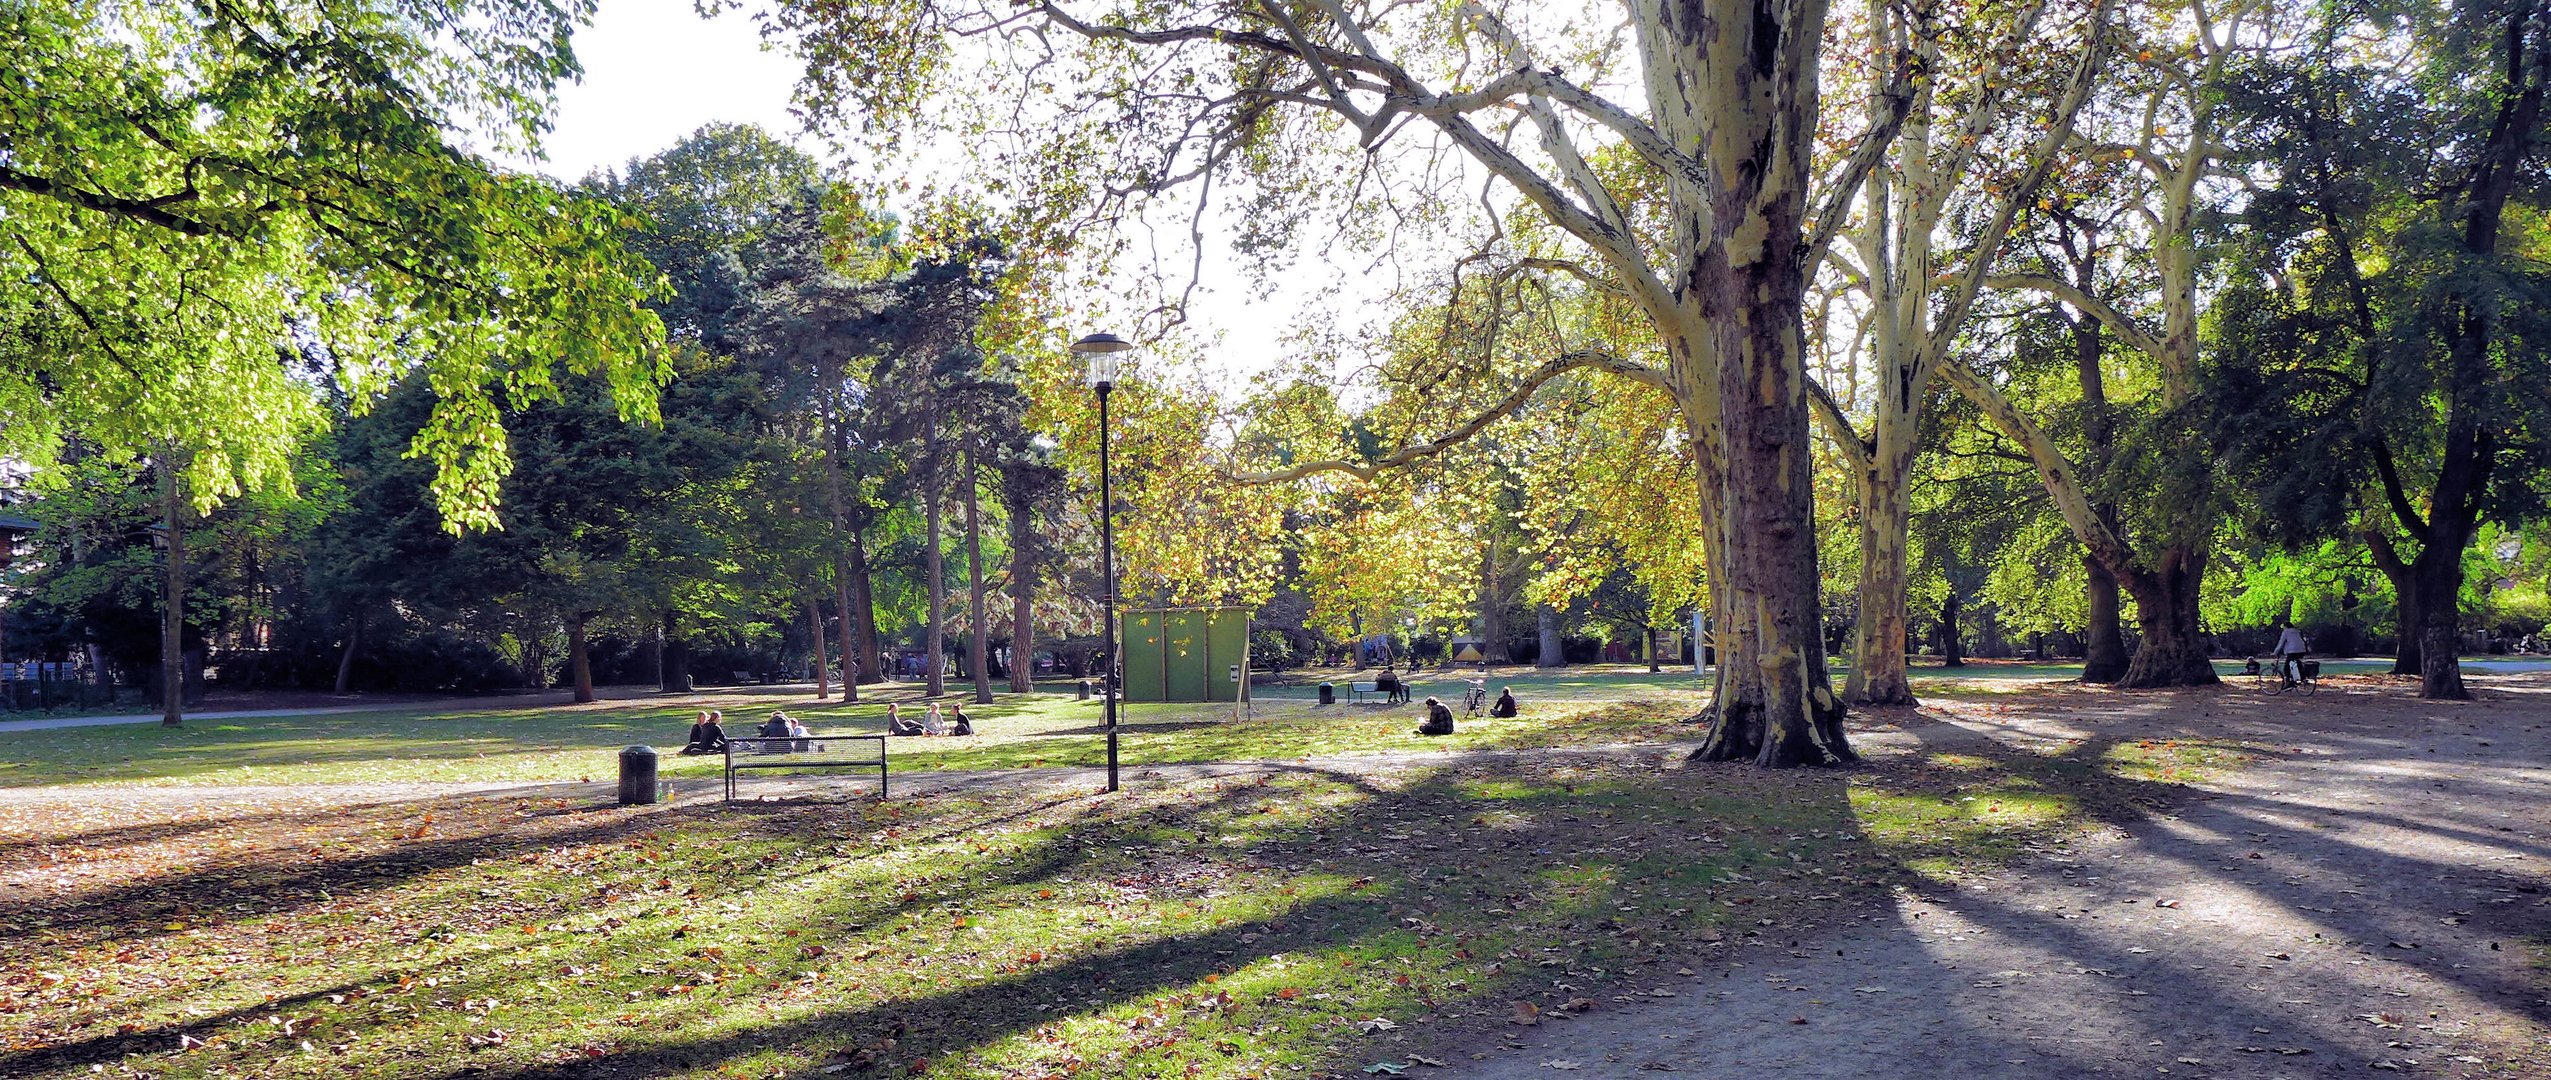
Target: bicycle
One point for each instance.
(2304, 676)
(1475, 701)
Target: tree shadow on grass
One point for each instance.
(1559, 878)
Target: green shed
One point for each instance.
(1186, 654)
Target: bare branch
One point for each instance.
(1593, 359)
(2083, 302)
(1859, 449)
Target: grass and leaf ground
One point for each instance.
(1054, 728)
(1307, 919)
(570, 743)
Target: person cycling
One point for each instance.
(2290, 648)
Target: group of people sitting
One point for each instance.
(956, 722)
(708, 731)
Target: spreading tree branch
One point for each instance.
(1582, 359)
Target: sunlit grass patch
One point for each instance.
(1952, 833)
(2175, 760)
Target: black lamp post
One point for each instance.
(1099, 352)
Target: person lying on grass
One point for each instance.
(707, 736)
(896, 724)
(1439, 718)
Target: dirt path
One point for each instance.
(2363, 900)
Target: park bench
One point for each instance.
(806, 752)
(1356, 690)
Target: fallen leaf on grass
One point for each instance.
(1374, 1025)
(1561, 1064)
(1527, 1013)
(1386, 1068)
(1421, 1059)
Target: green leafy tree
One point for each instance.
(210, 208)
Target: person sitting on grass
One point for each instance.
(963, 725)
(774, 728)
(1439, 718)
(896, 724)
(1505, 703)
(707, 737)
(932, 723)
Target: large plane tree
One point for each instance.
(1686, 181)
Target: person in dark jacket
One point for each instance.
(896, 724)
(1439, 718)
(958, 722)
(1388, 682)
(707, 736)
(1505, 703)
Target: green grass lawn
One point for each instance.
(1050, 728)
(1311, 923)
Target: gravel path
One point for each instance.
(2363, 901)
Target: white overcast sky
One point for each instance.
(656, 71)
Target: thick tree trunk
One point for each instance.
(863, 607)
(579, 660)
(979, 639)
(934, 634)
(345, 660)
(1653, 666)
(850, 639)
(1738, 81)
(2104, 639)
(2172, 651)
(1022, 592)
(1553, 645)
(1952, 634)
(815, 645)
(172, 619)
(2409, 655)
(1878, 672)
(1492, 608)
(2437, 573)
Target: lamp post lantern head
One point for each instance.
(1098, 351)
